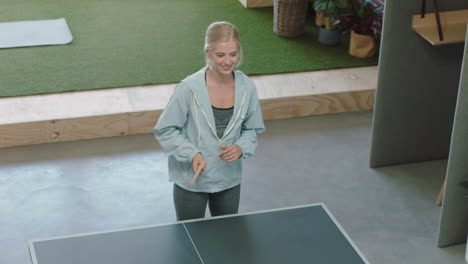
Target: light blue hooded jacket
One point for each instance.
(187, 126)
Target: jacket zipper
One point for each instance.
(211, 128)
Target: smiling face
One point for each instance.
(223, 51)
(224, 57)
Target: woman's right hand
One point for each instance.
(198, 163)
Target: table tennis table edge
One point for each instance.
(32, 241)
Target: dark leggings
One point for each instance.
(191, 205)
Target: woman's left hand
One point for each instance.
(230, 153)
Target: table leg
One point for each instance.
(441, 195)
(439, 26)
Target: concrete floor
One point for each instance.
(104, 184)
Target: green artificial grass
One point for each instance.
(120, 43)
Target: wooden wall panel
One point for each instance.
(143, 122)
(317, 104)
(63, 130)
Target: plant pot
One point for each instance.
(361, 46)
(319, 18)
(328, 37)
(289, 17)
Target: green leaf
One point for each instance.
(317, 5)
(320, 5)
(341, 3)
(361, 11)
(330, 7)
(336, 23)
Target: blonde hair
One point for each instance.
(221, 31)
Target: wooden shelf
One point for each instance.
(453, 27)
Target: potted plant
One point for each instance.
(289, 17)
(364, 20)
(329, 33)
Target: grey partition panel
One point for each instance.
(416, 90)
(454, 217)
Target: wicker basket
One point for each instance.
(289, 17)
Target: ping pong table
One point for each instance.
(301, 234)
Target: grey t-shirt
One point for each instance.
(222, 117)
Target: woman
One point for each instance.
(211, 121)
